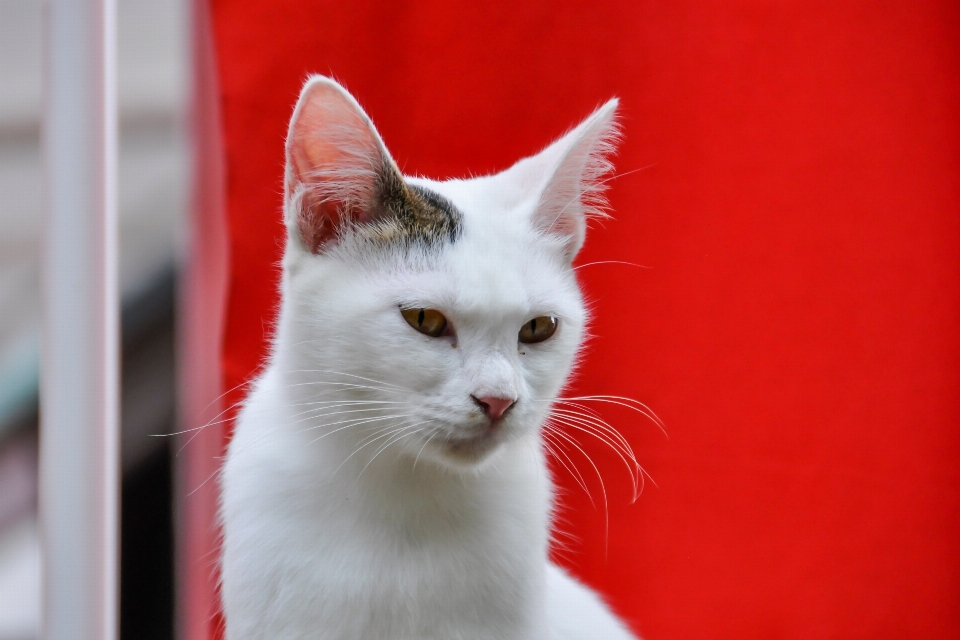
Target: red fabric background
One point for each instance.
(797, 327)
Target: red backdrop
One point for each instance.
(797, 327)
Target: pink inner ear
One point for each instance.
(568, 225)
(317, 224)
(561, 211)
(565, 225)
(334, 156)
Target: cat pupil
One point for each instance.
(429, 322)
(538, 329)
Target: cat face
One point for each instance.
(433, 320)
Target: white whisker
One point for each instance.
(553, 448)
(622, 401)
(606, 510)
(407, 431)
(346, 385)
(568, 422)
(348, 424)
(392, 429)
(349, 375)
(426, 442)
(599, 423)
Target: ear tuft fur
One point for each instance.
(576, 189)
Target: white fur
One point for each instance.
(347, 513)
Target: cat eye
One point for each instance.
(538, 329)
(429, 322)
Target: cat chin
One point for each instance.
(464, 454)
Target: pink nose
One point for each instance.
(494, 407)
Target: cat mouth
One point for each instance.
(473, 448)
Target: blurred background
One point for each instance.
(153, 76)
(798, 210)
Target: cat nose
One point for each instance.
(493, 406)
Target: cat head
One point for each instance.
(430, 319)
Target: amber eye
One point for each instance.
(427, 321)
(538, 329)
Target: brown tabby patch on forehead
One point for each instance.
(411, 214)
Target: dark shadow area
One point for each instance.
(148, 414)
(146, 558)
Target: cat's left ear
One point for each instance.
(571, 174)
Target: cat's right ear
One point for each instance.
(335, 160)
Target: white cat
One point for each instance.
(386, 478)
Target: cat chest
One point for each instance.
(422, 588)
(425, 566)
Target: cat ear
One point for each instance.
(573, 168)
(335, 162)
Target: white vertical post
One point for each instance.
(79, 437)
